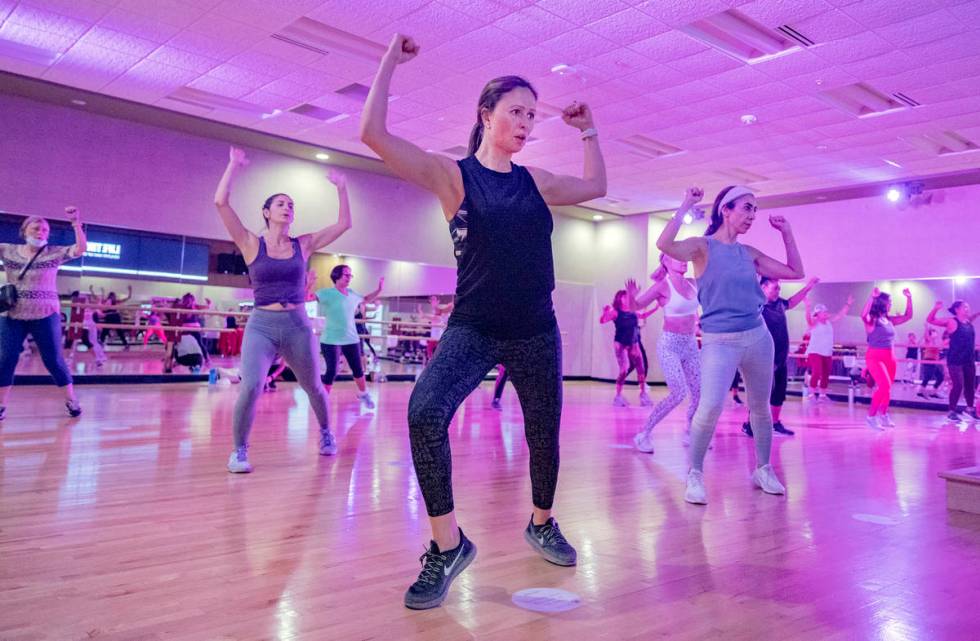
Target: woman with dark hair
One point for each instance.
(880, 361)
(677, 348)
(338, 305)
(501, 228)
(960, 357)
(931, 371)
(32, 267)
(734, 335)
(111, 316)
(626, 346)
(278, 324)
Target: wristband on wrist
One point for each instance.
(591, 132)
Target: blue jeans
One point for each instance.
(288, 334)
(752, 353)
(47, 335)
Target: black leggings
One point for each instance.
(113, 318)
(780, 379)
(331, 354)
(931, 371)
(962, 379)
(463, 358)
(646, 361)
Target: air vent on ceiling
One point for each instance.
(738, 35)
(650, 147)
(864, 101)
(29, 53)
(313, 35)
(458, 150)
(942, 143)
(208, 100)
(312, 111)
(793, 34)
(740, 176)
(355, 91)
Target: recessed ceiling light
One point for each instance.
(79, 102)
(562, 69)
(960, 280)
(271, 114)
(597, 217)
(893, 195)
(892, 163)
(688, 219)
(322, 156)
(749, 119)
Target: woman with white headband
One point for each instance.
(734, 335)
(820, 349)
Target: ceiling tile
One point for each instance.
(582, 13)
(627, 27)
(534, 24)
(877, 13)
(923, 29)
(668, 46)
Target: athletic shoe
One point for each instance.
(495, 404)
(747, 429)
(779, 428)
(619, 401)
(935, 395)
(886, 420)
(765, 479)
(367, 400)
(922, 394)
(548, 541)
(74, 409)
(328, 444)
(738, 401)
(954, 416)
(642, 442)
(687, 437)
(438, 571)
(970, 411)
(872, 422)
(645, 400)
(3, 412)
(238, 461)
(695, 488)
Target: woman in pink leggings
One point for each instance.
(880, 328)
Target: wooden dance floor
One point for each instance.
(125, 526)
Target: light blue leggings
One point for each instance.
(269, 333)
(751, 352)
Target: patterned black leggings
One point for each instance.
(463, 358)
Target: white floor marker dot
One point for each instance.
(546, 600)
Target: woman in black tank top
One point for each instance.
(626, 344)
(501, 227)
(961, 355)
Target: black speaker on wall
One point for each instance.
(231, 264)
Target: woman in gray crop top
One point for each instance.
(734, 337)
(278, 325)
(880, 325)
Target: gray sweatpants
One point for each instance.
(277, 332)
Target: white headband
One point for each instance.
(735, 193)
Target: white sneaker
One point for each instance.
(366, 400)
(695, 488)
(872, 422)
(687, 438)
(886, 420)
(619, 401)
(328, 444)
(238, 461)
(642, 442)
(645, 400)
(765, 479)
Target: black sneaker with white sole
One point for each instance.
(3, 412)
(548, 541)
(74, 409)
(438, 571)
(747, 429)
(779, 428)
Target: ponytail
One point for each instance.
(476, 137)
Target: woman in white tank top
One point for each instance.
(677, 348)
(820, 351)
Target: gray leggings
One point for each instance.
(277, 332)
(752, 353)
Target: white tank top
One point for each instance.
(821, 340)
(677, 305)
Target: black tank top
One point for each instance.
(961, 344)
(502, 240)
(627, 325)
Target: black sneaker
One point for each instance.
(74, 409)
(782, 429)
(3, 412)
(738, 401)
(922, 394)
(438, 571)
(954, 416)
(747, 429)
(548, 541)
(970, 411)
